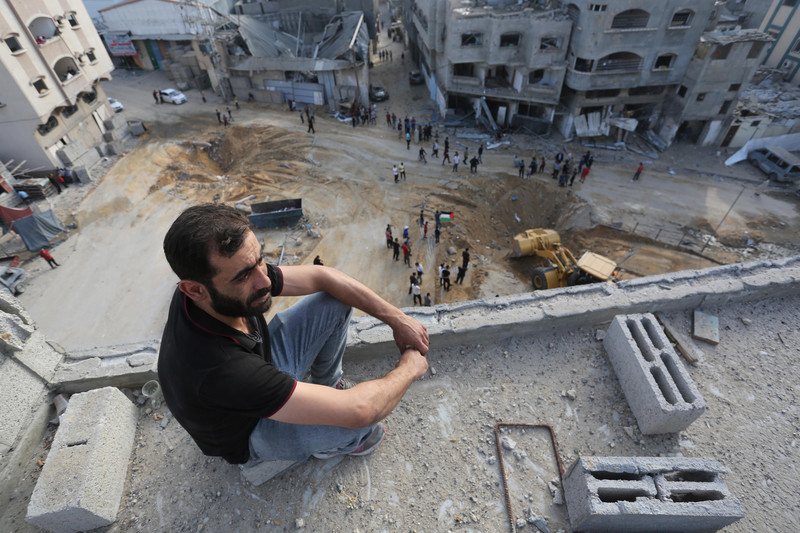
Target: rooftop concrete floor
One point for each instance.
(437, 468)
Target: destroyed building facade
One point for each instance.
(722, 65)
(53, 111)
(304, 51)
(503, 61)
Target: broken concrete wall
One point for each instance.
(27, 369)
(564, 309)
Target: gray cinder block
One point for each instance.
(659, 390)
(84, 475)
(648, 494)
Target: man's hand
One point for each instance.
(409, 333)
(415, 361)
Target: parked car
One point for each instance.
(415, 78)
(173, 96)
(777, 163)
(116, 105)
(377, 93)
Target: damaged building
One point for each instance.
(625, 58)
(768, 108)
(307, 52)
(722, 65)
(589, 69)
(53, 111)
(312, 57)
(503, 62)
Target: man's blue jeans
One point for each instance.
(308, 338)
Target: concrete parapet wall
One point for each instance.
(659, 390)
(82, 481)
(648, 494)
(585, 305)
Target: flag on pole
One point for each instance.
(447, 216)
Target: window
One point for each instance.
(463, 69)
(682, 91)
(13, 44)
(90, 55)
(509, 39)
(535, 76)
(721, 52)
(619, 62)
(73, 21)
(531, 110)
(632, 18)
(755, 50)
(681, 18)
(549, 44)
(602, 93)
(40, 86)
(701, 97)
(755, 123)
(789, 3)
(664, 62)
(68, 111)
(598, 7)
(646, 91)
(795, 48)
(735, 86)
(48, 126)
(726, 105)
(583, 65)
(471, 39)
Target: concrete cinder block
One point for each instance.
(648, 494)
(259, 472)
(81, 484)
(659, 390)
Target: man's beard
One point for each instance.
(227, 306)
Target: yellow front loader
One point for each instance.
(564, 270)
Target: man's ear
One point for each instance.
(194, 290)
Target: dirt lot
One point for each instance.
(344, 177)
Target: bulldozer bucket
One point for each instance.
(598, 266)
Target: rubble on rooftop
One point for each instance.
(770, 97)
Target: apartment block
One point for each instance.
(700, 110)
(626, 56)
(51, 64)
(782, 22)
(502, 60)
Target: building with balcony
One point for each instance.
(625, 57)
(701, 108)
(53, 111)
(501, 60)
(783, 24)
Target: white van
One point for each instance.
(777, 163)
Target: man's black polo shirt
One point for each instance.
(217, 381)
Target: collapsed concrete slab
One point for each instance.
(659, 390)
(648, 494)
(112, 366)
(81, 484)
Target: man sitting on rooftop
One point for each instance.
(236, 383)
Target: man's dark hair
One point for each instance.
(199, 231)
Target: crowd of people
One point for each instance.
(397, 246)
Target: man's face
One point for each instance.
(241, 287)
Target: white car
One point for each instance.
(171, 95)
(116, 105)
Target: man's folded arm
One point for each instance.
(306, 279)
(363, 405)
